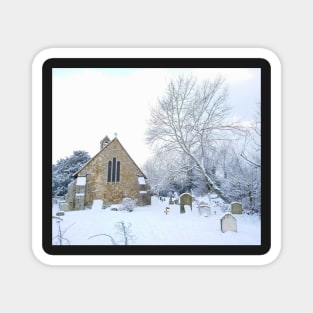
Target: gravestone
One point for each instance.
(176, 198)
(236, 208)
(97, 205)
(204, 209)
(228, 223)
(185, 199)
(171, 200)
(63, 206)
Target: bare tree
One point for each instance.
(166, 169)
(191, 119)
(251, 152)
(124, 232)
(59, 239)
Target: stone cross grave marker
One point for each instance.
(166, 211)
(185, 199)
(228, 223)
(236, 208)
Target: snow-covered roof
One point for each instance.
(141, 180)
(81, 181)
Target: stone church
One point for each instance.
(110, 176)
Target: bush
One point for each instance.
(128, 204)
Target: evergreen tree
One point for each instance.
(63, 170)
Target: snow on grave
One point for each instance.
(97, 205)
(228, 223)
(204, 209)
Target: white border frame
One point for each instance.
(156, 53)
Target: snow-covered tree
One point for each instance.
(63, 170)
(240, 164)
(167, 174)
(190, 120)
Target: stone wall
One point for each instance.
(96, 170)
(70, 196)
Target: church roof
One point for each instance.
(105, 147)
(106, 138)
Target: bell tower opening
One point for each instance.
(104, 142)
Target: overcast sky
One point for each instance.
(89, 104)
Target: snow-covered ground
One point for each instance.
(150, 225)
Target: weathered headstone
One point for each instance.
(185, 199)
(97, 205)
(204, 209)
(171, 200)
(228, 223)
(60, 213)
(63, 206)
(236, 208)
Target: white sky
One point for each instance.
(89, 104)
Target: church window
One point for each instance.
(109, 171)
(114, 169)
(118, 171)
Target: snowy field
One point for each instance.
(150, 225)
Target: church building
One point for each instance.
(110, 176)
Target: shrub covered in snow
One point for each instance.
(128, 204)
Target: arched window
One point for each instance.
(114, 170)
(118, 171)
(109, 171)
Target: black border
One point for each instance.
(157, 63)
